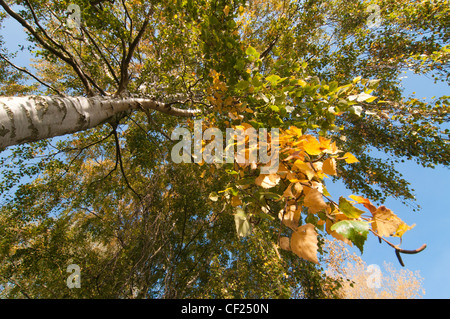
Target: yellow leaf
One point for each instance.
(386, 223)
(333, 148)
(350, 158)
(304, 243)
(325, 144)
(305, 168)
(403, 228)
(226, 10)
(357, 79)
(291, 217)
(267, 181)
(329, 166)
(288, 192)
(302, 83)
(294, 131)
(312, 145)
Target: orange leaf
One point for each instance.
(304, 243)
(288, 192)
(291, 217)
(367, 204)
(235, 201)
(285, 243)
(314, 200)
(329, 166)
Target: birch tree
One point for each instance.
(87, 174)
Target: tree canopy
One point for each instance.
(88, 175)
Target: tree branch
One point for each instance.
(111, 70)
(65, 55)
(30, 74)
(399, 250)
(127, 57)
(32, 118)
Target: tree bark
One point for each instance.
(32, 118)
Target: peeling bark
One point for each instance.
(32, 118)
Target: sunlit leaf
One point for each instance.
(386, 223)
(329, 166)
(304, 243)
(350, 158)
(314, 200)
(365, 202)
(242, 223)
(267, 181)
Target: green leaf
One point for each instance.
(333, 86)
(348, 209)
(266, 216)
(242, 85)
(373, 84)
(273, 79)
(354, 230)
(256, 81)
(246, 181)
(251, 51)
(275, 108)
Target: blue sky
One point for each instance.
(431, 189)
(432, 220)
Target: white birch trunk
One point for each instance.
(32, 118)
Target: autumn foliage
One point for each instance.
(112, 200)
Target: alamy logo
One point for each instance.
(73, 16)
(252, 147)
(74, 280)
(374, 20)
(374, 279)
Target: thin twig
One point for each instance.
(121, 164)
(399, 250)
